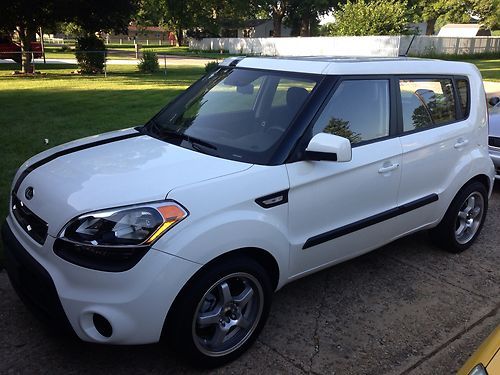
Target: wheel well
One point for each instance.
(263, 257)
(481, 178)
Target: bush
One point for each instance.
(88, 54)
(211, 66)
(149, 62)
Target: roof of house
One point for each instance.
(463, 30)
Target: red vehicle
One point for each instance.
(12, 50)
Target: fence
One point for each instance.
(349, 46)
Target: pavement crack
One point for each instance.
(433, 275)
(447, 343)
(319, 312)
(288, 360)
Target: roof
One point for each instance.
(463, 30)
(354, 65)
(147, 28)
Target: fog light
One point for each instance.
(102, 325)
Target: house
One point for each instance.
(260, 29)
(463, 30)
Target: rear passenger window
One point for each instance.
(358, 111)
(427, 102)
(463, 96)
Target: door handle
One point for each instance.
(388, 168)
(461, 142)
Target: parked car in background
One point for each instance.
(494, 133)
(486, 359)
(263, 171)
(12, 50)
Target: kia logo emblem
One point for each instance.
(29, 192)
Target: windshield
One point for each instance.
(237, 114)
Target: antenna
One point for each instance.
(409, 45)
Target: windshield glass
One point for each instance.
(238, 114)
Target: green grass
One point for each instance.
(61, 107)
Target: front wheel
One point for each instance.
(464, 219)
(221, 312)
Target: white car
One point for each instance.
(262, 172)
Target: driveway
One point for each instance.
(408, 308)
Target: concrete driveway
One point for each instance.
(407, 308)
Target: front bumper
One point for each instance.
(135, 302)
(32, 282)
(495, 156)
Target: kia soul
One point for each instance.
(263, 171)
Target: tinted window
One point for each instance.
(463, 96)
(358, 111)
(426, 102)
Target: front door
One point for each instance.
(341, 209)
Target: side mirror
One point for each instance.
(330, 147)
(493, 101)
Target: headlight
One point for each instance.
(116, 239)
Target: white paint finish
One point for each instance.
(332, 144)
(119, 296)
(224, 216)
(328, 195)
(130, 171)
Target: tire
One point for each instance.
(17, 59)
(220, 312)
(463, 220)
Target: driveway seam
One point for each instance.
(319, 309)
(288, 360)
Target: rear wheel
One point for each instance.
(221, 312)
(464, 219)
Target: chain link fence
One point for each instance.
(112, 61)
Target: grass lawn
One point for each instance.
(61, 107)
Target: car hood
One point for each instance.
(117, 173)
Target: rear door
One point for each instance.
(436, 141)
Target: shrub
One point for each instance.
(149, 62)
(211, 66)
(90, 54)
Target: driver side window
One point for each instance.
(358, 110)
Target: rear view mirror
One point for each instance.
(330, 147)
(246, 89)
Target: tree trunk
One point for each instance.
(179, 36)
(430, 26)
(27, 34)
(305, 26)
(277, 22)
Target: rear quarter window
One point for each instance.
(463, 92)
(426, 103)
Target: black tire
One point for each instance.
(196, 340)
(17, 59)
(453, 234)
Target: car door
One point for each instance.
(436, 143)
(338, 210)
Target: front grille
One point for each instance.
(32, 224)
(494, 141)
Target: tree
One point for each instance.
(25, 17)
(441, 12)
(379, 17)
(303, 15)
